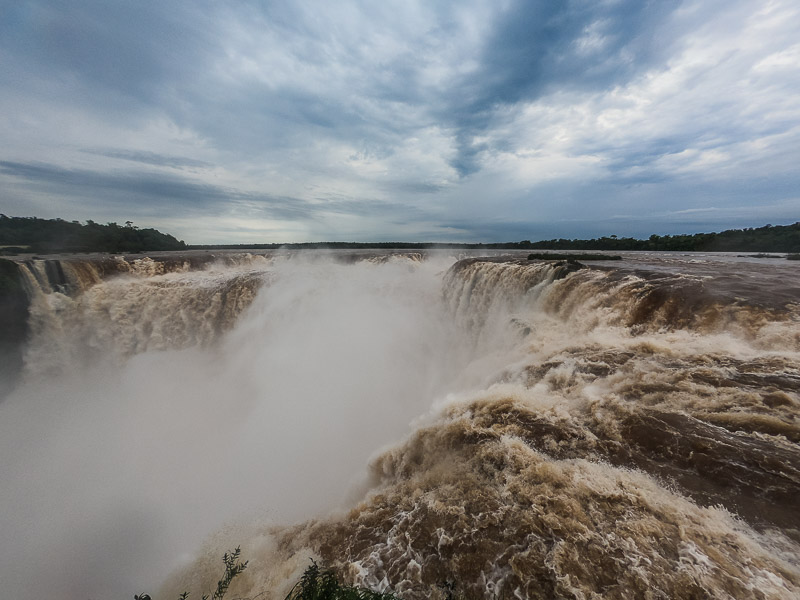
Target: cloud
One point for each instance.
(134, 52)
(150, 158)
(538, 47)
(145, 192)
(375, 118)
(156, 190)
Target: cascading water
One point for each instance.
(621, 432)
(143, 309)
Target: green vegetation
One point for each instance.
(315, 584)
(778, 238)
(318, 584)
(31, 234)
(233, 567)
(18, 234)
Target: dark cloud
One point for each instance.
(493, 231)
(150, 158)
(372, 208)
(154, 191)
(140, 50)
(142, 189)
(537, 47)
(403, 114)
(415, 187)
(576, 44)
(166, 54)
(135, 183)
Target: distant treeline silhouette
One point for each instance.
(31, 234)
(56, 235)
(770, 238)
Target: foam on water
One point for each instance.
(576, 432)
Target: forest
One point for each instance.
(43, 236)
(770, 238)
(31, 234)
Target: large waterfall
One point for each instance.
(519, 429)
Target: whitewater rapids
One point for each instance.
(519, 429)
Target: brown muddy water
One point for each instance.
(512, 428)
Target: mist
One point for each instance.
(117, 467)
(396, 417)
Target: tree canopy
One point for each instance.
(57, 235)
(778, 238)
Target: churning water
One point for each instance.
(522, 429)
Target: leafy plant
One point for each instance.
(315, 584)
(233, 567)
(318, 584)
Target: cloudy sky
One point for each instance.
(498, 120)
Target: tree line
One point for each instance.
(31, 234)
(770, 238)
(18, 234)
(777, 238)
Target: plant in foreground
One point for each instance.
(314, 584)
(318, 584)
(233, 567)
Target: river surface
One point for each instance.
(505, 427)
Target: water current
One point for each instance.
(511, 428)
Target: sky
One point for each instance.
(473, 121)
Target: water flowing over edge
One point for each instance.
(602, 432)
